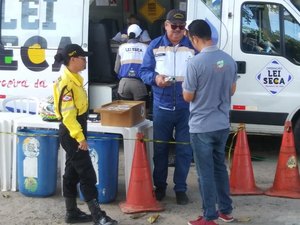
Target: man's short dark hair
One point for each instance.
(200, 28)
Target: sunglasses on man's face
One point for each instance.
(174, 26)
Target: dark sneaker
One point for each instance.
(181, 198)
(106, 220)
(226, 217)
(77, 216)
(160, 193)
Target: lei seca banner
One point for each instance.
(32, 33)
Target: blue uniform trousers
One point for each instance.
(165, 122)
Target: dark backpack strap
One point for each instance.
(60, 100)
(73, 98)
(61, 97)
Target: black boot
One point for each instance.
(75, 215)
(99, 216)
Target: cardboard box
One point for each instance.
(122, 113)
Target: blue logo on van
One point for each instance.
(274, 77)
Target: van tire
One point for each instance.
(296, 130)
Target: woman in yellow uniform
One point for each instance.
(71, 106)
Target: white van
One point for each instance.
(263, 36)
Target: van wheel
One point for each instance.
(296, 130)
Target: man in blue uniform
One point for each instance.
(164, 67)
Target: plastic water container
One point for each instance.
(104, 152)
(37, 162)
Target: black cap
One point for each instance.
(70, 50)
(176, 16)
(74, 50)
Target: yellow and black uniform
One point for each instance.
(70, 101)
(71, 105)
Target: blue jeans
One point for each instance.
(164, 122)
(209, 156)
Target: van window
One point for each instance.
(292, 38)
(296, 3)
(263, 31)
(215, 6)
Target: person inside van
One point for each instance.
(122, 36)
(128, 62)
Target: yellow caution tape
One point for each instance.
(230, 147)
(98, 138)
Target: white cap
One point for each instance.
(134, 28)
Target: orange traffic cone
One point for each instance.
(287, 180)
(241, 173)
(140, 194)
